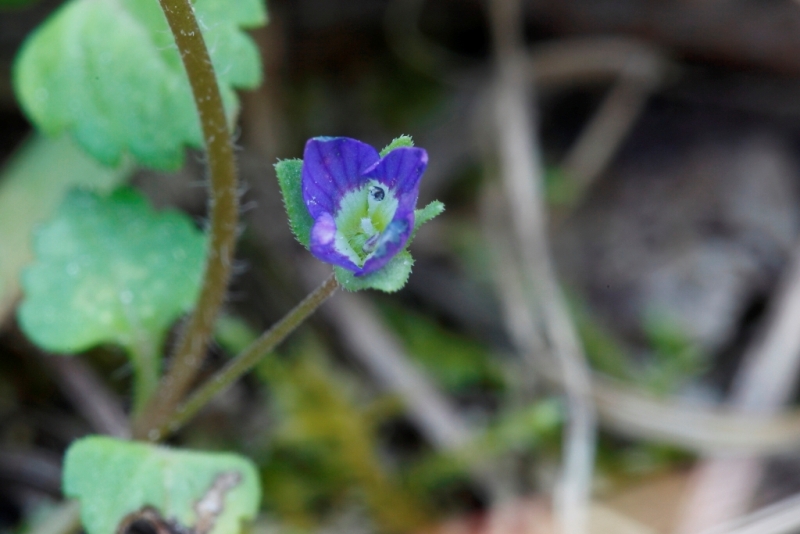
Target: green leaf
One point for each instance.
(110, 269)
(403, 140)
(390, 278)
(32, 185)
(290, 173)
(457, 362)
(109, 72)
(113, 478)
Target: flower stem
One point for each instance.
(246, 359)
(223, 214)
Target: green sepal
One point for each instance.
(392, 277)
(290, 176)
(113, 479)
(421, 216)
(402, 141)
(108, 71)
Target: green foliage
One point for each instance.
(603, 350)
(675, 358)
(560, 190)
(522, 430)
(324, 447)
(456, 362)
(390, 278)
(109, 72)
(403, 140)
(113, 478)
(110, 269)
(669, 359)
(32, 186)
(290, 173)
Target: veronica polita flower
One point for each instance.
(357, 209)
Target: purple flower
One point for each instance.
(362, 204)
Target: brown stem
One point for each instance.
(223, 214)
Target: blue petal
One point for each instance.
(332, 166)
(391, 241)
(401, 169)
(322, 243)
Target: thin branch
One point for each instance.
(723, 487)
(246, 360)
(380, 352)
(223, 213)
(694, 426)
(376, 348)
(783, 517)
(520, 166)
(93, 400)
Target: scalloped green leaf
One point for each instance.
(110, 269)
(209, 493)
(32, 185)
(290, 173)
(109, 72)
(392, 277)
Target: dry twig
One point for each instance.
(520, 166)
(91, 398)
(723, 485)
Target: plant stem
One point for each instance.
(223, 214)
(246, 359)
(146, 369)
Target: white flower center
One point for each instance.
(363, 215)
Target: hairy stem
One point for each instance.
(246, 359)
(223, 215)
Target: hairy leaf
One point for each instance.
(210, 493)
(109, 72)
(290, 173)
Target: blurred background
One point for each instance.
(603, 329)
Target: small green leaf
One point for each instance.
(202, 492)
(110, 269)
(290, 174)
(390, 278)
(32, 186)
(109, 72)
(403, 140)
(432, 210)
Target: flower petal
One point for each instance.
(400, 170)
(332, 166)
(323, 243)
(391, 241)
